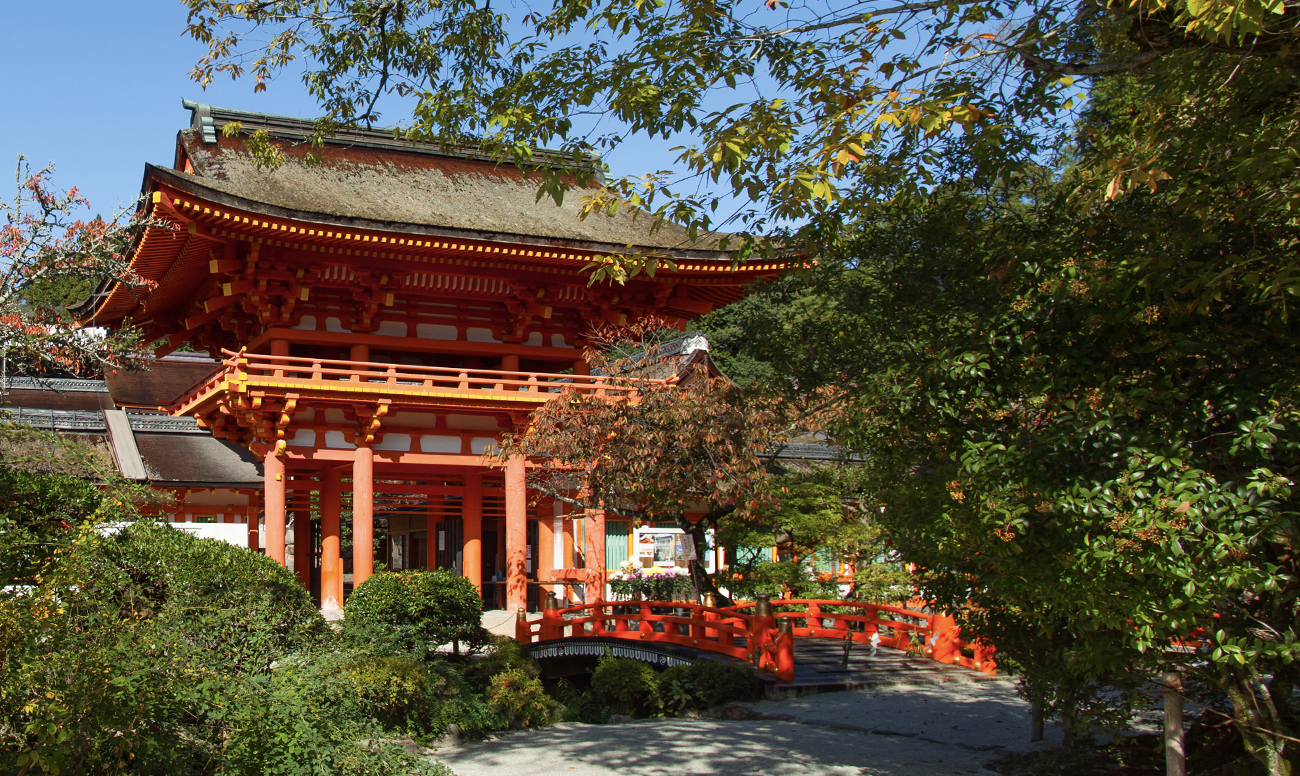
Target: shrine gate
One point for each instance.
(381, 316)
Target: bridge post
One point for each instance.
(760, 628)
(522, 634)
(551, 621)
(644, 626)
(785, 650)
(598, 612)
(943, 635)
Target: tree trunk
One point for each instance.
(1255, 715)
(700, 577)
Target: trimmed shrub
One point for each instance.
(624, 686)
(39, 514)
(415, 611)
(705, 684)
(520, 699)
(417, 697)
(237, 609)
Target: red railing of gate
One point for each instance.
(938, 635)
(700, 627)
(768, 639)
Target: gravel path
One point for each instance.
(941, 729)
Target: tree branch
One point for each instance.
(1094, 69)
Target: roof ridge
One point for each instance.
(209, 119)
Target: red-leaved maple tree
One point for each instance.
(689, 447)
(46, 250)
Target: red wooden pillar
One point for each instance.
(273, 472)
(516, 534)
(359, 353)
(363, 516)
(595, 552)
(331, 561)
(254, 519)
(471, 559)
(279, 347)
(302, 546)
(545, 559)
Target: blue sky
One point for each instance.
(96, 88)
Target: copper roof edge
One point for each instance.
(208, 120)
(194, 187)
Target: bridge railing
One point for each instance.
(931, 635)
(756, 638)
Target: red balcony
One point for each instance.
(315, 380)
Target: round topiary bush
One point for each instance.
(240, 609)
(415, 610)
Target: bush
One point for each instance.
(416, 610)
(704, 685)
(503, 654)
(127, 651)
(238, 610)
(520, 699)
(415, 697)
(39, 513)
(307, 717)
(624, 686)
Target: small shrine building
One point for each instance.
(378, 318)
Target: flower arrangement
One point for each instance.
(669, 584)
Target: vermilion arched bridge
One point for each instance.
(815, 637)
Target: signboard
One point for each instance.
(666, 547)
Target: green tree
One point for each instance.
(818, 526)
(806, 113)
(1063, 339)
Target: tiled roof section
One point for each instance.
(207, 121)
(58, 384)
(196, 459)
(805, 451)
(370, 178)
(158, 382)
(76, 421)
(668, 358)
(49, 399)
(164, 424)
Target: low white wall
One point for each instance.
(230, 533)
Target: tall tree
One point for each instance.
(1068, 345)
(805, 112)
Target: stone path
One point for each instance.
(884, 731)
(819, 667)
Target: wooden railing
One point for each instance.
(762, 632)
(751, 637)
(934, 636)
(299, 372)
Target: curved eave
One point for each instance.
(195, 188)
(210, 215)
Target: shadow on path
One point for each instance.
(708, 748)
